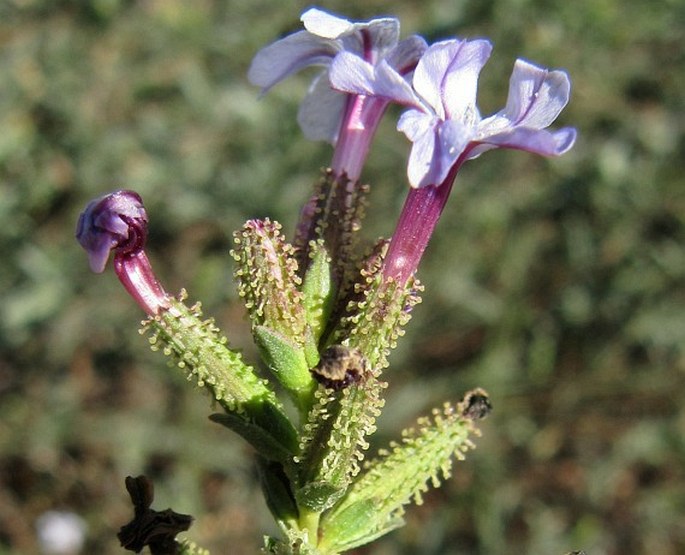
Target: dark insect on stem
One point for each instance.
(476, 404)
(340, 367)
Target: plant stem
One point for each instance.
(309, 520)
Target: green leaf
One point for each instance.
(356, 525)
(287, 361)
(277, 493)
(273, 443)
(317, 496)
(317, 288)
(399, 475)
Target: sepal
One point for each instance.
(400, 475)
(333, 216)
(268, 282)
(333, 441)
(318, 291)
(377, 311)
(267, 277)
(203, 354)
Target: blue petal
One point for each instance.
(289, 55)
(349, 73)
(97, 243)
(452, 138)
(422, 157)
(406, 54)
(437, 145)
(455, 137)
(536, 95)
(382, 33)
(321, 111)
(446, 77)
(414, 123)
(537, 141)
(460, 84)
(109, 222)
(323, 24)
(98, 250)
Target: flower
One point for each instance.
(118, 222)
(446, 129)
(114, 221)
(443, 121)
(347, 121)
(326, 35)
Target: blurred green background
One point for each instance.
(559, 286)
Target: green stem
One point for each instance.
(309, 520)
(304, 400)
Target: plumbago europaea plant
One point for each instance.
(324, 312)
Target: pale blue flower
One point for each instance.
(327, 35)
(443, 121)
(445, 126)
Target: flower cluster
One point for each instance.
(324, 313)
(367, 68)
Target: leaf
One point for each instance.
(318, 496)
(267, 444)
(287, 362)
(400, 474)
(318, 290)
(356, 525)
(277, 492)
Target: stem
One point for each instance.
(309, 521)
(304, 399)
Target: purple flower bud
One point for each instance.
(118, 222)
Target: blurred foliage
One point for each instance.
(556, 285)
